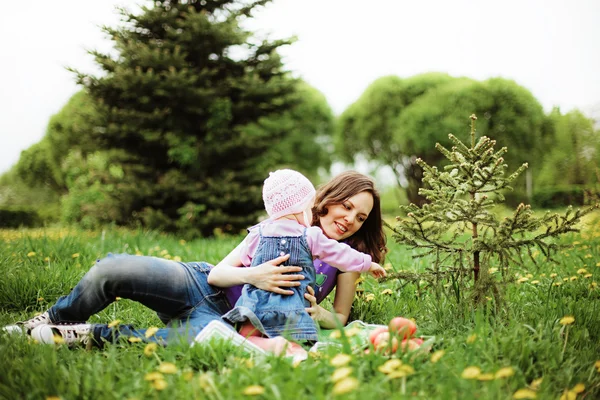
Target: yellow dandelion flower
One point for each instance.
(400, 373)
(369, 297)
(152, 376)
(582, 271)
(188, 375)
(31, 254)
(159, 384)
(390, 366)
(525, 393)
(75, 255)
(598, 264)
(138, 253)
(182, 242)
(336, 334)
(556, 284)
(565, 279)
(492, 270)
(164, 252)
(353, 331)
(597, 364)
(249, 363)
(593, 285)
(472, 338)
(587, 276)
(435, 357)
(58, 339)
(340, 360)
(150, 349)
(568, 395)
(471, 373)
(40, 299)
(542, 275)
(587, 256)
(47, 259)
(151, 331)
(114, 323)
(134, 339)
(553, 275)
(167, 368)
(206, 381)
(177, 258)
(504, 373)
(117, 298)
(341, 373)
(573, 278)
(523, 279)
(485, 377)
(359, 280)
(579, 388)
(254, 390)
(344, 386)
(536, 282)
(387, 291)
(53, 398)
(407, 368)
(567, 320)
(529, 276)
(536, 383)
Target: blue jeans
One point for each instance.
(178, 292)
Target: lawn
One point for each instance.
(544, 341)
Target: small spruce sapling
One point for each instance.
(458, 225)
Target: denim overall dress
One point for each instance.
(275, 314)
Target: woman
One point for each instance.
(186, 296)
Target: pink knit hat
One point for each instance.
(285, 192)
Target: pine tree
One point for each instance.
(182, 99)
(459, 228)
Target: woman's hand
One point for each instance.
(315, 311)
(270, 276)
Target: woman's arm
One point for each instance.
(268, 276)
(342, 303)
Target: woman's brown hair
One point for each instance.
(370, 238)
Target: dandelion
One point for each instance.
(529, 276)
(598, 264)
(504, 373)
(151, 331)
(492, 270)
(587, 256)
(390, 365)
(579, 388)
(525, 393)
(114, 323)
(182, 242)
(597, 364)
(587, 276)
(134, 339)
(40, 299)
(159, 384)
(536, 282)
(401, 372)
(543, 275)
(336, 334)
(340, 360)
(75, 255)
(387, 291)
(387, 266)
(568, 395)
(152, 376)
(188, 375)
(553, 275)
(340, 374)
(177, 258)
(254, 390)
(58, 339)
(523, 279)
(565, 279)
(567, 320)
(359, 280)
(556, 284)
(472, 338)
(582, 271)
(31, 254)
(353, 331)
(471, 373)
(369, 297)
(435, 357)
(167, 368)
(206, 382)
(150, 349)
(536, 383)
(573, 278)
(485, 377)
(344, 386)
(47, 259)
(593, 285)
(117, 298)
(53, 398)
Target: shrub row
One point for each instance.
(14, 217)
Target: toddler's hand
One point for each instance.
(377, 271)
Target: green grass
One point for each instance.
(525, 334)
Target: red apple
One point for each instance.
(403, 327)
(409, 345)
(376, 332)
(418, 341)
(382, 343)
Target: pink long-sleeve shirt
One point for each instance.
(334, 253)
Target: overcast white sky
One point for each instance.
(552, 47)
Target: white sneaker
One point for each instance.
(27, 326)
(68, 334)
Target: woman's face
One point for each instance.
(343, 220)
